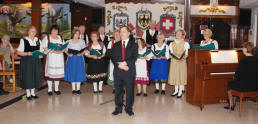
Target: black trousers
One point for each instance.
(120, 81)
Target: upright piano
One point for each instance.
(208, 73)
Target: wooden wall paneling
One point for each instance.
(36, 15)
(227, 20)
(79, 12)
(195, 21)
(187, 18)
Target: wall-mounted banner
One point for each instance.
(168, 17)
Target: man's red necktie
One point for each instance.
(123, 50)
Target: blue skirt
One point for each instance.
(75, 69)
(159, 69)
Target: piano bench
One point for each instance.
(241, 95)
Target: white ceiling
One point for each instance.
(248, 3)
(101, 3)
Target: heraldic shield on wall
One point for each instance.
(119, 20)
(167, 23)
(143, 19)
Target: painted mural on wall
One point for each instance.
(57, 14)
(168, 17)
(14, 19)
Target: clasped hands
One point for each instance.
(58, 52)
(123, 66)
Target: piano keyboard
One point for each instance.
(217, 73)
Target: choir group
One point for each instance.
(88, 60)
(152, 64)
(118, 61)
(96, 59)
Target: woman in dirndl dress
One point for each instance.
(30, 66)
(207, 34)
(116, 35)
(54, 63)
(159, 67)
(178, 69)
(142, 77)
(75, 65)
(96, 71)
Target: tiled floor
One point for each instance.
(10, 96)
(87, 109)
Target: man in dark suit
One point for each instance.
(123, 55)
(150, 37)
(102, 37)
(83, 35)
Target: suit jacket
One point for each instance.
(246, 76)
(86, 38)
(131, 52)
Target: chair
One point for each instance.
(241, 95)
(11, 87)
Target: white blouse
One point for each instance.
(76, 46)
(97, 47)
(56, 41)
(161, 48)
(86, 37)
(209, 42)
(110, 44)
(186, 46)
(33, 42)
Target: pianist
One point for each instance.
(246, 76)
(207, 33)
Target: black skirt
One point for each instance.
(237, 85)
(96, 70)
(30, 72)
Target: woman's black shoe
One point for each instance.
(156, 91)
(173, 95)
(100, 91)
(95, 92)
(79, 92)
(29, 98)
(138, 94)
(163, 92)
(179, 96)
(145, 94)
(74, 92)
(57, 92)
(50, 93)
(34, 97)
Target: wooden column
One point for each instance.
(187, 18)
(36, 14)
